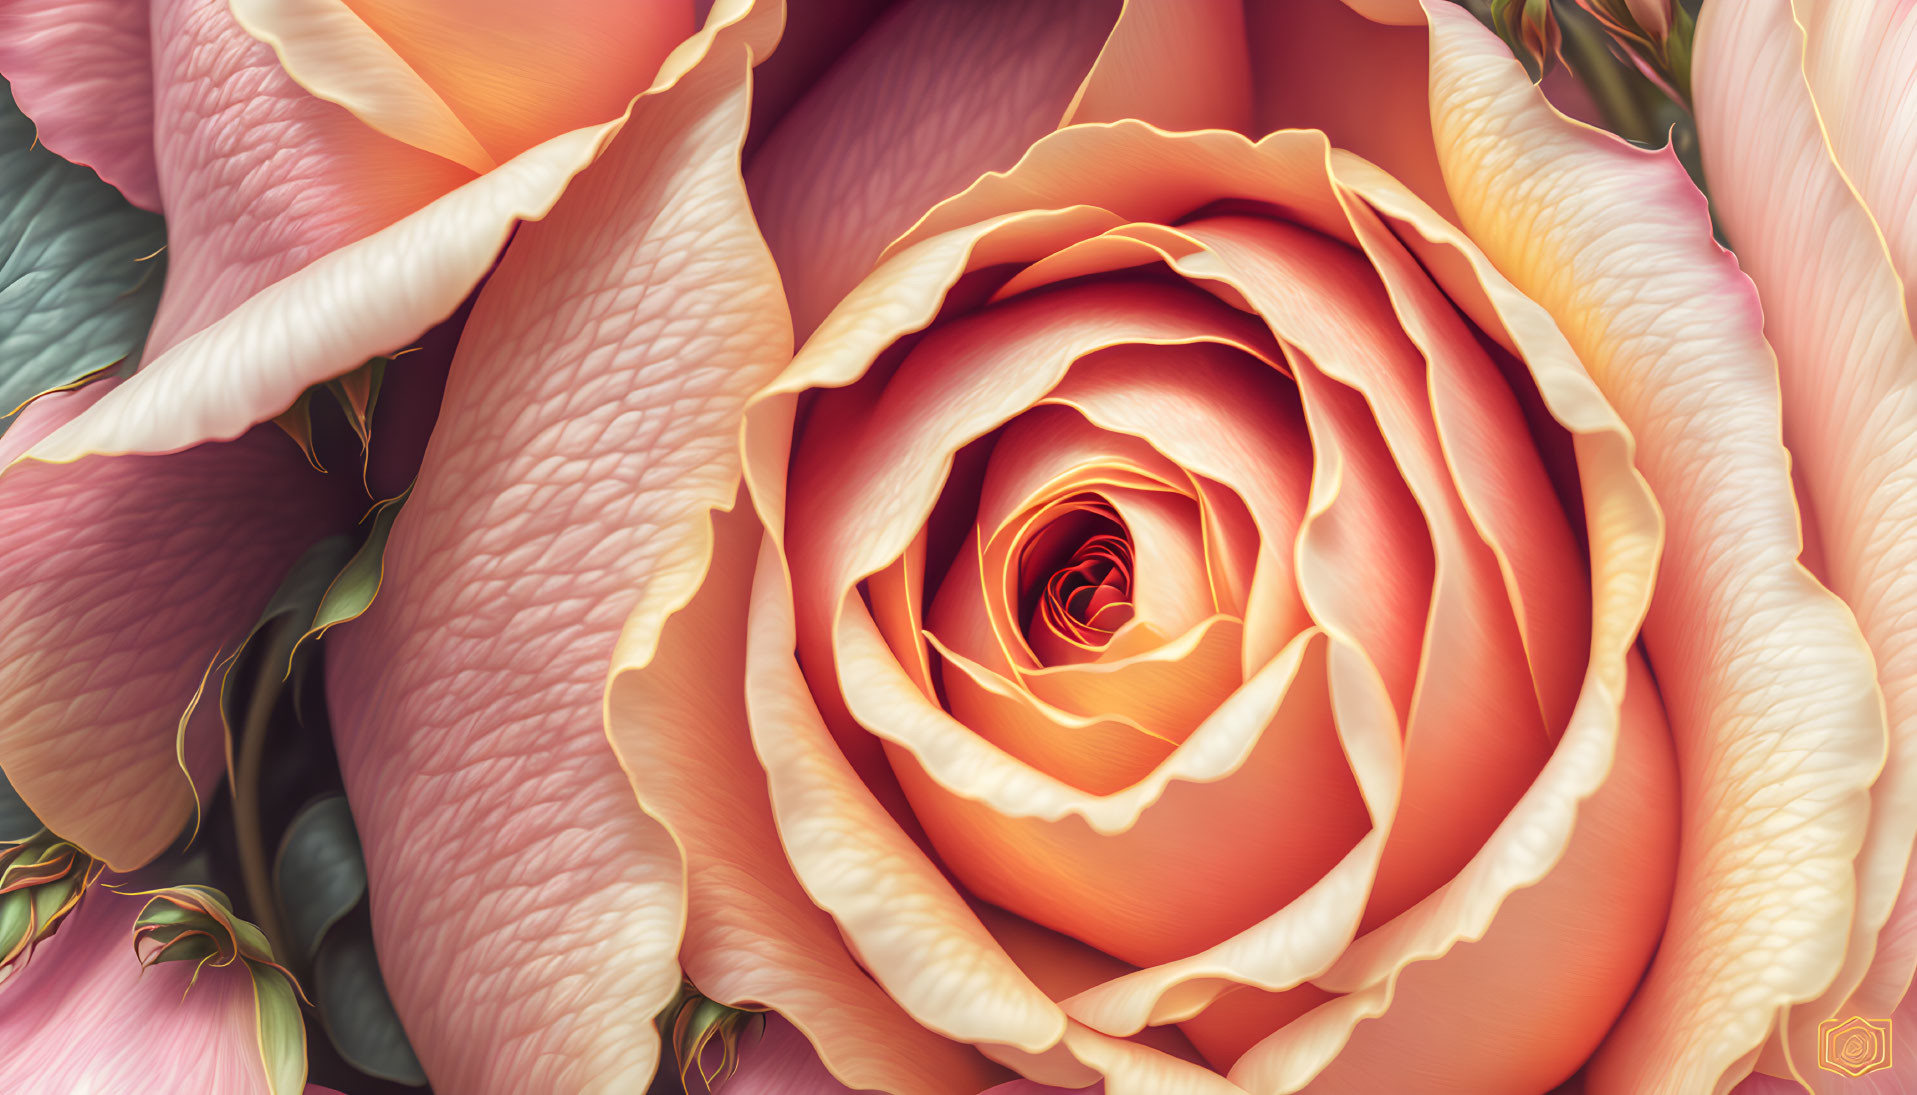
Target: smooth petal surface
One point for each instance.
(1322, 65)
(84, 1016)
(122, 579)
(1847, 363)
(587, 428)
(84, 73)
(937, 92)
(1768, 685)
(781, 1062)
(1177, 64)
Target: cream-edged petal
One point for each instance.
(285, 267)
(1847, 366)
(1770, 690)
(1860, 61)
(1477, 1017)
(331, 51)
(589, 424)
(678, 722)
(904, 922)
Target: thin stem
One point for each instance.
(255, 870)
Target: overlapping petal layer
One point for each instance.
(83, 73)
(899, 563)
(588, 425)
(303, 239)
(123, 580)
(1770, 690)
(1809, 152)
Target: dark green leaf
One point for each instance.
(357, 1013)
(16, 821)
(320, 873)
(80, 268)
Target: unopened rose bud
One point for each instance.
(1531, 30)
(41, 880)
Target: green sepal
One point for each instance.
(42, 879)
(282, 1029)
(696, 1021)
(319, 874)
(80, 269)
(353, 590)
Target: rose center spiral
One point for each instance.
(1075, 575)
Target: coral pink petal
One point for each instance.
(1478, 1017)
(780, 1061)
(1770, 689)
(1847, 362)
(677, 720)
(84, 73)
(122, 579)
(1323, 66)
(936, 93)
(1177, 64)
(590, 422)
(83, 1016)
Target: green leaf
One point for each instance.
(16, 821)
(80, 269)
(282, 1031)
(356, 1012)
(320, 873)
(353, 591)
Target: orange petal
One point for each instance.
(516, 81)
(1321, 65)
(1478, 1017)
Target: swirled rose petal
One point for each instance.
(586, 430)
(84, 1015)
(83, 72)
(1779, 731)
(934, 93)
(122, 580)
(752, 935)
(1479, 1018)
(1473, 710)
(1847, 364)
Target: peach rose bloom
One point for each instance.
(1192, 545)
